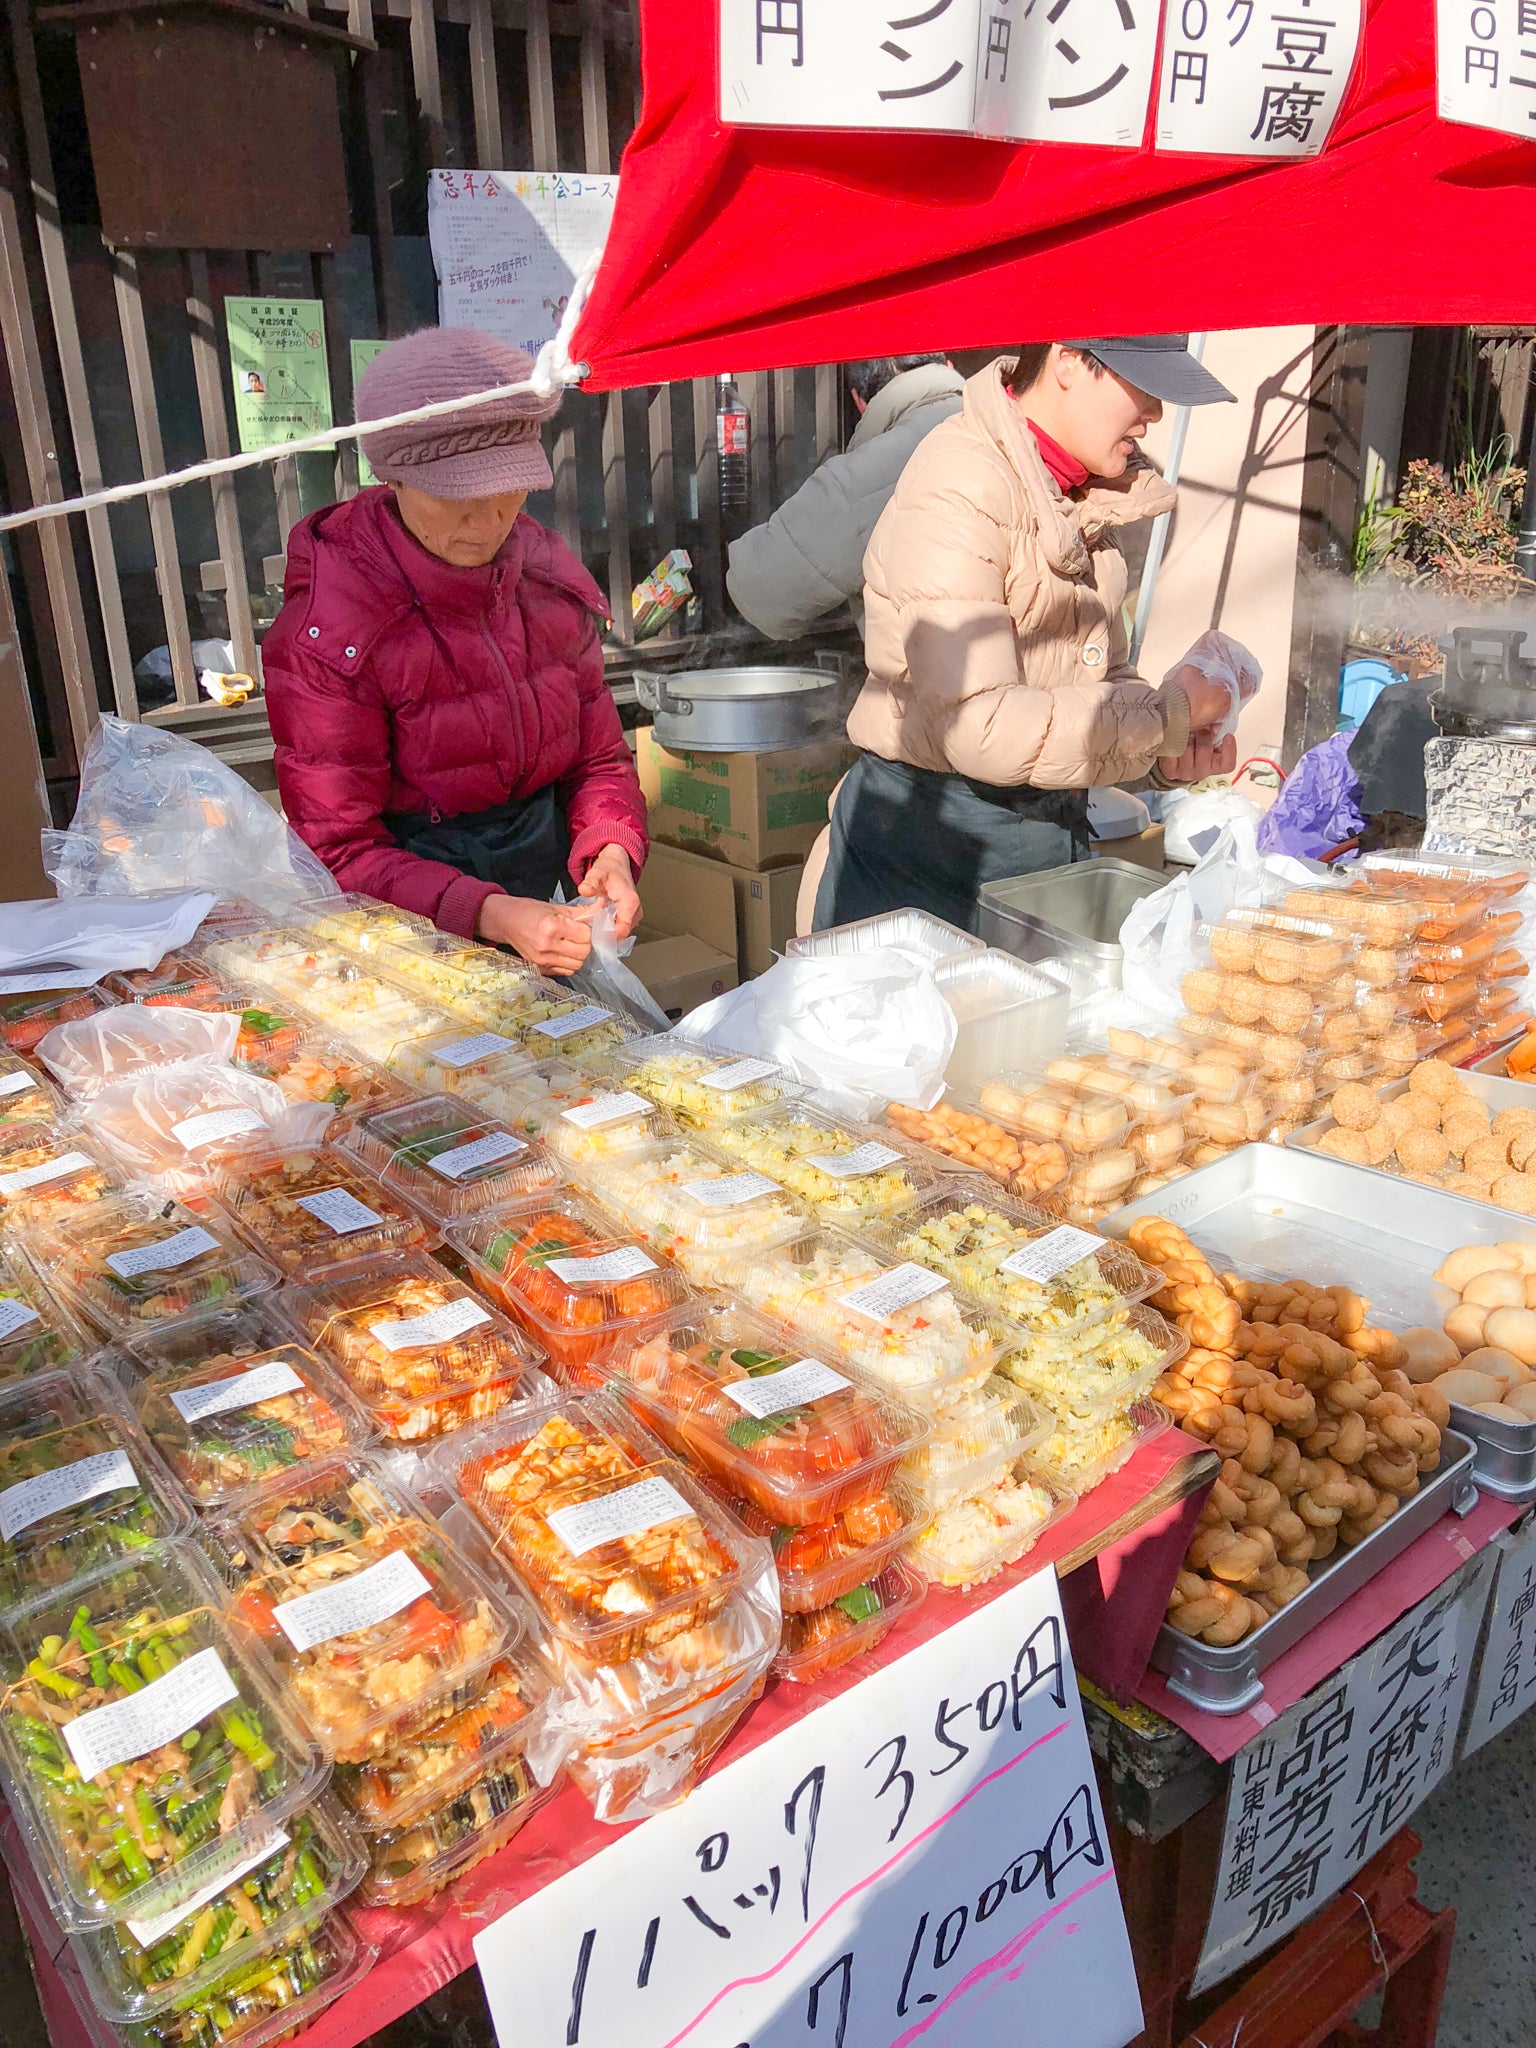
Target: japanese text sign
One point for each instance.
(1485, 59)
(277, 358)
(507, 246)
(1066, 70)
(1254, 78)
(919, 1861)
(1506, 1677)
(849, 63)
(1338, 1773)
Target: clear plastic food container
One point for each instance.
(974, 1437)
(1316, 1016)
(319, 1068)
(975, 1539)
(176, 973)
(253, 1327)
(796, 1436)
(898, 1320)
(362, 924)
(1076, 1456)
(1278, 949)
(25, 1097)
(619, 1547)
(232, 914)
(704, 1085)
(37, 1332)
(1101, 1371)
(585, 1127)
(130, 1264)
(850, 1626)
(1152, 1093)
(447, 1159)
(1009, 1013)
(487, 1069)
(484, 987)
(230, 1422)
(411, 1864)
(1035, 1169)
(903, 931)
(421, 1351)
(26, 1018)
(1084, 1119)
(575, 1028)
(45, 1175)
(308, 1210)
(582, 1288)
(345, 995)
(818, 1562)
(695, 1206)
(377, 1622)
(95, 1788)
(842, 1172)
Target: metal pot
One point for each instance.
(1489, 686)
(750, 710)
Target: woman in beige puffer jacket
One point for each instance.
(1000, 686)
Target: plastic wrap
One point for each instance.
(135, 1037)
(184, 1125)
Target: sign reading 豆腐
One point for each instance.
(1335, 1777)
(922, 1860)
(1254, 78)
(507, 247)
(1485, 64)
(277, 359)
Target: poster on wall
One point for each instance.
(281, 378)
(363, 353)
(507, 247)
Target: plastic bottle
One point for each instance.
(733, 438)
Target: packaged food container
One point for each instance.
(176, 973)
(842, 1172)
(975, 1436)
(25, 1097)
(796, 1436)
(255, 1326)
(1099, 1372)
(573, 1029)
(421, 1351)
(849, 1626)
(581, 1287)
(487, 1069)
(1084, 1119)
(36, 1331)
(28, 1017)
(230, 1422)
(130, 1264)
(1154, 1093)
(1324, 1016)
(901, 1322)
(697, 1206)
(904, 931)
(232, 914)
(1278, 949)
(1009, 1013)
(485, 988)
(362, 924)
(1035, 1169)
(45, 1175)
(584, 1127)
(818, 1562)
(1447, 899)
(376, 1621)
(447, 1159)
(151, 1628)
(1076, 1455)
(309, 1210)
(619, 1547)
(344, 995)
(258, 1919)
(182, 1124)
(319, 1068)
(703, 1085)
(80, 1486)
(975, 1539)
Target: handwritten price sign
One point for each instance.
(922, 1861)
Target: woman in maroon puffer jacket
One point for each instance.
(445, 736)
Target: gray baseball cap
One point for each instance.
(1159, 364)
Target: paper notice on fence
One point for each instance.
(507, 246)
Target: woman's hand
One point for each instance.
(553, 937)
(1209, 703)
(611, 879)
(1203, 756)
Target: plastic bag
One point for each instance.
(176, 1125)
(1317, 808)
(158, 812)
(47, 944)
(93, 1051)
(1221, 659)
(861, 1026)
(604, 977)
(1192, 826)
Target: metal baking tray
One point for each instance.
(1497, 1090)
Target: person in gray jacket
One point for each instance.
(809, 557)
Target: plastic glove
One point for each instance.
(1216, 659)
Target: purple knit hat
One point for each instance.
(477, 453)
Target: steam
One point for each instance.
(1399, 616)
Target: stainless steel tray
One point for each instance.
(1228, 1681)
(1497, 1090)
(1070, 916)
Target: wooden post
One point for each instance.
(24, 809)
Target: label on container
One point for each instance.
(463, 1052)
(360, 1602)
(214, 1124)
(576, 1020)
(150, 1933)
(879, 1299)
(240, 1390)
(15, 1084)
(33, 1500)
(15, 1315)
(628, 1512)
(461, 1159)
(35, 984)
(165, 1256)
(162, 1712)
(730, 1190)
(626, 1264)
(339, 1211)
(770, 1393)
(1047, 1256)
(605, 1109)
(739, 1074)
(437, 1326)
(870, 1158)
(51, 1169)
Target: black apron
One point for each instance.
(909, 838)
(522, 845)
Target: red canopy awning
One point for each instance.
(741, 248)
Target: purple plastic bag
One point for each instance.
(1317, 807)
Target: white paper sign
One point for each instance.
(1044, 1257)
(15, 1315)
(738, 1074)
(871, 1158)
(150, 1933)
(572, 1022)
(605, 1109)
(339, 1211)
(1254, 78)
(15, 1084)
(165, 1709)
(1315, 1796)
(628, 1263)
(437, 1326)
(629, 1512)
(1506, 1678)
(1081, 72)
(921, 1863)
(771, 1393)
(49, 1169)
(464, 1052)
(164, 1257)
(461, 1159)
(1485, 67)
(883, 1297)
(507, 246)
(849, 63)
(730, 1190)
(362, 1601)
(241, 1390)
(47, 1493)
(214, 1124)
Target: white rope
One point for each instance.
(553, 371)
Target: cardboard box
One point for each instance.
(685, 947)
(765, 915)
(1144, 848)
(680, 970)
(752, 912)
(753, 810)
